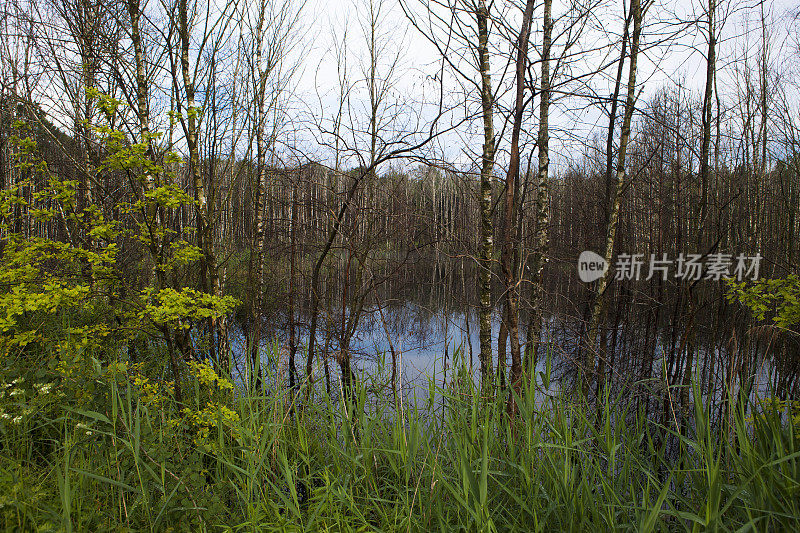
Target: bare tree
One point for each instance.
(388, 137)
(507, 262)
(637, 13)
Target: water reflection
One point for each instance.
(425, 343)
(428, 319)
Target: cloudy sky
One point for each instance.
(673, 54)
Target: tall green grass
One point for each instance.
(118, 461)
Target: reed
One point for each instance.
(129, 457)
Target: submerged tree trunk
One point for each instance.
(613, 216)
(602, 354)
(487, 230)
(292, 307)
(541, 216)
(257, 257)
(703, 214)
(512, 181)
(315, 279)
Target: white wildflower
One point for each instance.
(44, 388)
(16, 420)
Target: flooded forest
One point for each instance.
(386, 265)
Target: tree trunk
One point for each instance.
(257, 258)
(512, 183)
(630, 101)
(208, 278)
(541, 216)
(601, 373)
(487, 244)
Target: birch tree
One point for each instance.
(487, 177)
(272, 38)
(541, 205)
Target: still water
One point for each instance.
(427, 344)
(429, 341)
